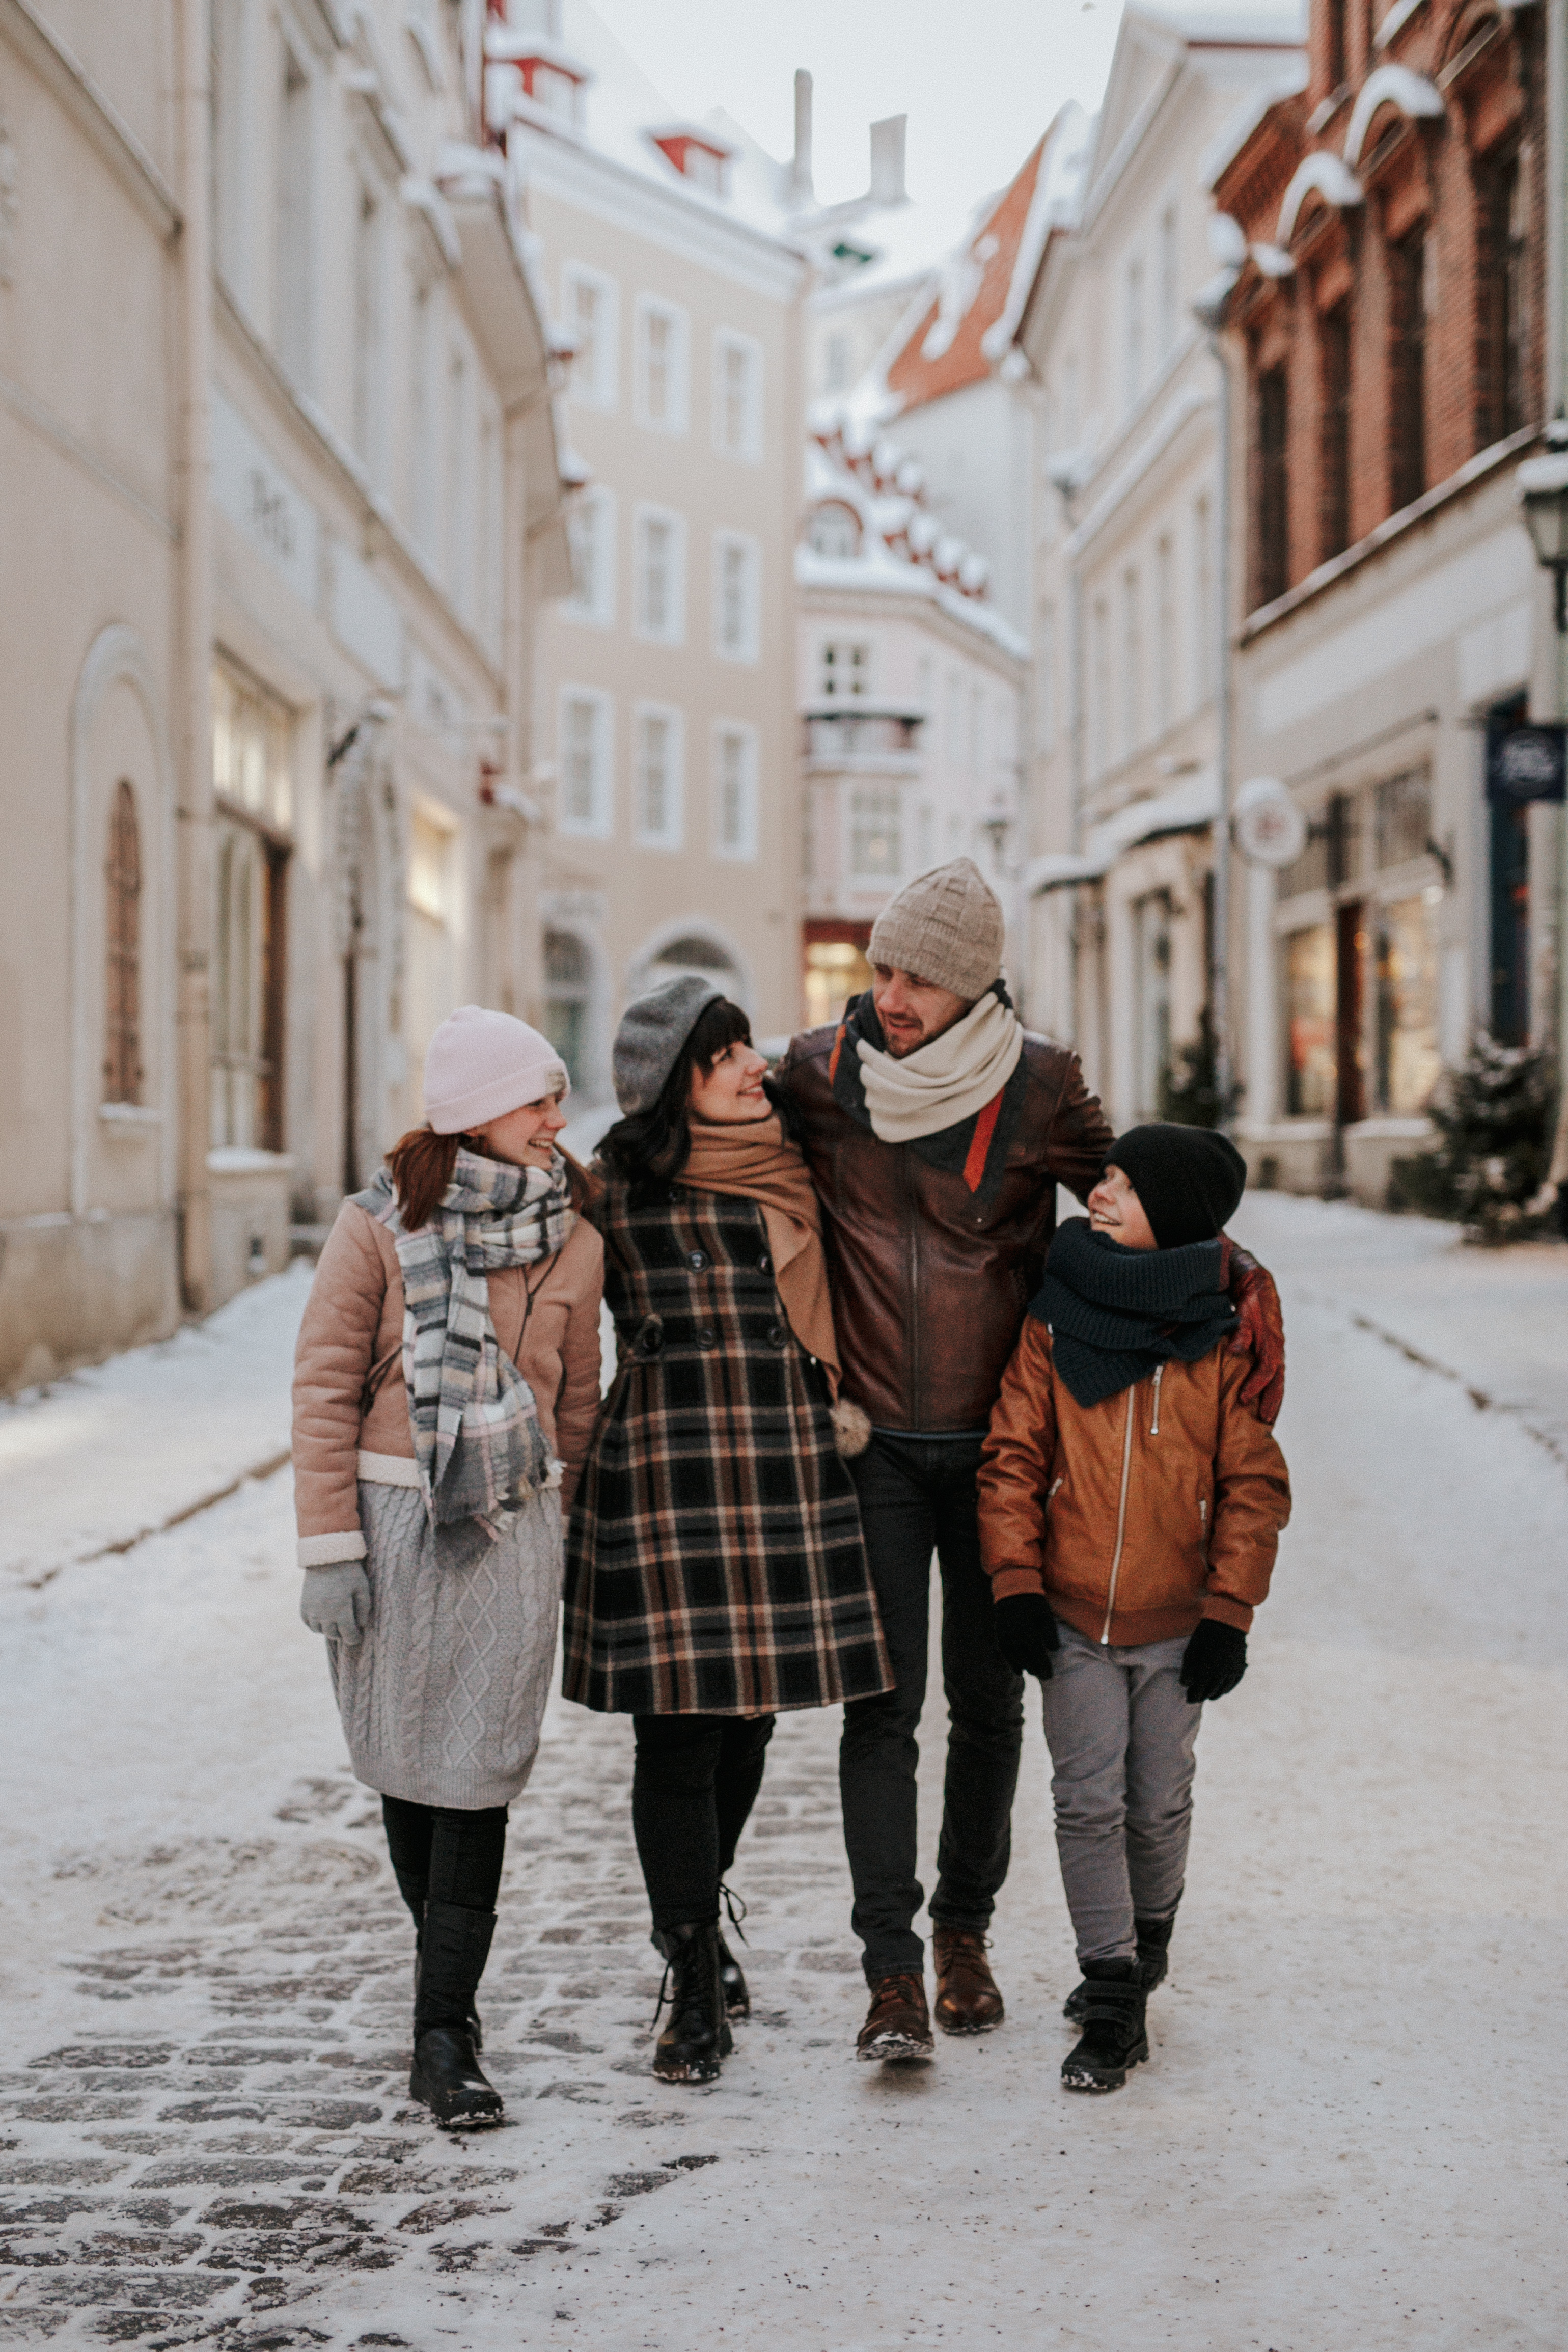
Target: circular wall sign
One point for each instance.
(1267, 827)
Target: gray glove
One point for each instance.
(337, 1600)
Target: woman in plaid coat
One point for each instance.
(714, 1568)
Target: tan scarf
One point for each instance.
(755, 1161)
(951, 1078)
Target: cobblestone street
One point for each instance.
(1350, 2134)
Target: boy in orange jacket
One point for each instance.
(1131, 1506)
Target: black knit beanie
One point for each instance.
(1190, 1178)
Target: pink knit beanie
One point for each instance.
(482, 1064)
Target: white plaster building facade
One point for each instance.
(664, 693)
(268, 627)
(1127, 623)
(911, 687)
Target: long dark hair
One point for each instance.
(422, 1164)
(651, 1147)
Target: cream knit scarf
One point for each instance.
(948, 1080)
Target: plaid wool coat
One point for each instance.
(714, 1561)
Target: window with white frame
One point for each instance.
(585, 797)
(591, 305)
(876, 839)
(734, 789)
(1170, 278)
(736, 596)
(1165, 634)
(660, 562)
(1203, 666)
(663, 365)
(738, 395)
(659, 760)
(1130, 733)
(1133, 331)
(590, 528)
(293, 220)
(844, 672)
(1045, 680)
(369, 303)
(424, 418)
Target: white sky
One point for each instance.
(979, 79)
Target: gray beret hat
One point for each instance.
(652, 1033)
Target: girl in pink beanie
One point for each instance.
(446, 1386)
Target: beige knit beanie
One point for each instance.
(946, 927)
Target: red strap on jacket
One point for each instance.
(985, 1128)
(833, 1056)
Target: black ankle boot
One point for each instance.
(736, 1998)
(697, 2037)
(454, 1944)
(1153, 1961)
(1113, 2040)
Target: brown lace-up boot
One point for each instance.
(967, 2001)
(899, 2024)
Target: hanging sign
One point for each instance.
(1266, 824)
(1526, 760)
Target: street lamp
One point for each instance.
(1540, 486)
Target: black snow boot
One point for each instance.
(1153, 1961)
(697, 2039)
(736, 1998)
(414, 1894)
(454, 1947)
(1113, 2040)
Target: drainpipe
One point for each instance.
(1210, 308)
(192, 716)
(1556, 393)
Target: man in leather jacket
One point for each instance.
(937, 1129)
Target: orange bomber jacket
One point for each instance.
(1137, 1515)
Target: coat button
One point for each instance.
(707, 1337)
(777, 1337)
(699, 1261)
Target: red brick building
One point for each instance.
(1392, 298)
(1389, 321)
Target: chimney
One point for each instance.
(801, 188)
(887, 161)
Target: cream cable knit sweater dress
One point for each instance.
(442, 1700)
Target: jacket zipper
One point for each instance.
(913, 1320)
(1121, 1522)
(1154, 1425)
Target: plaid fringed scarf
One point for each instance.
(476, 1432)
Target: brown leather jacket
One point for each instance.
(930, 1284)
(1141, 1514)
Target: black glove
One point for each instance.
(1025, 1633)
(1213, 1662)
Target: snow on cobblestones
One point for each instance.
(1350, 2132)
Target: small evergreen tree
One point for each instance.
(1189, 1095)
(1494, 1121)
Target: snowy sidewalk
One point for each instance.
(1349, 2135)
(103, 1457)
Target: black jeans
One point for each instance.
(442, 1855)
(694, 1783)
(917, 1494)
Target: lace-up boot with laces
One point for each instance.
(898, 2027)
(697, 2039)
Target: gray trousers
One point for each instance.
(1121, 1731)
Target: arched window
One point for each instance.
(123, 975)
(568, 987)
